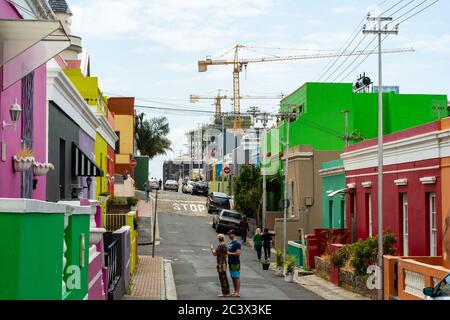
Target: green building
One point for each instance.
(317, 134)
(333, 195)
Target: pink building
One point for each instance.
(23, 83)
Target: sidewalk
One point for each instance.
(326, 289)
(148, 282)
(319, 286)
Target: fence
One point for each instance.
(406, 277)
(115, 221)
(112, 263)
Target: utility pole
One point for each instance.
(223, 153)
(347, 137)
(287, 117)
(154, 224)
(264, 150)
(381, 30)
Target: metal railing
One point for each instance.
(112, 263)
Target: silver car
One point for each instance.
(171, 185)
(440, 292)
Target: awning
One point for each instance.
(26, 45)
(83, 166)
(341, 192)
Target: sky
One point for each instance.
(149, 50)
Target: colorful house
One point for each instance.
(319, 130)
(124, 127)
(415, 204)
(23, 108)
(333, 195)
(105, 136)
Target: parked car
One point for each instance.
(187, 187)
(171, 185)
(200, 187)
(226, 220)
(154, 185)
(440, 292)
(218, 201)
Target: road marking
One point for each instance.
(173, 232)
(187, 251)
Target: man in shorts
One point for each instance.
(234, 262)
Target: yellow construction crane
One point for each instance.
(238, 64)
(218, 101)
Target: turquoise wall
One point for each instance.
(333, 208)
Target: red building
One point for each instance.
(412, 189)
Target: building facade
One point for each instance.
(412, 193)
(124, 127)
(333, 195)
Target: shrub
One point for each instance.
(365, 252)
(132, 201)
(341, 257)
(104, 194)
(279, 258)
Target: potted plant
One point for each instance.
(41, 169)
(279, 262)
(103, 196)
(132, 202)
(23, 160)
(289, 265)
(265, 264)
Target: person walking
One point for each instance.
(258, 243)
(244, 228)
(267, 239)
(234, 262)
(221, 253)
(160, 184)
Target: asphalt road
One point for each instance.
(185, 240)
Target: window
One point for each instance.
(405, 224)
(369, 214)
(433, 225)
(117, 150)
(444, 287)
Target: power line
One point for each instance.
(357, 57)
(392, 7)
(415, 14)
(346, 59)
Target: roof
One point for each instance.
(121, 105)
(59, 6)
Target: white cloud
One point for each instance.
(178, 25)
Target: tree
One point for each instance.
(152, 135)
(248, 192)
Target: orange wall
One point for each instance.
(445, 176)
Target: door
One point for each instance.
(330, 214)
(62, 169)
(405, 224)
(369, 215)
(433, 225)
(342, 221)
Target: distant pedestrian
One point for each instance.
(244, 228)
(234, 262)
(147, 188)
(160, 184)
(221, 253)
(258, 243)
(267, 243)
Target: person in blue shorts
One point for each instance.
(234, 262)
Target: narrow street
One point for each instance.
(185, 240)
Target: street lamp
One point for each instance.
(15, 112)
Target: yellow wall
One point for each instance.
(101, 153)
(124, 124)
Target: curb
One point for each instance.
(170, 288)
(163, 282)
